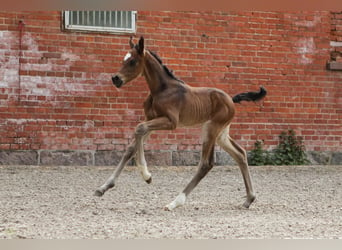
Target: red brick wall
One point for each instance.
(56, 92)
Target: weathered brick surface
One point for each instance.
(56, 92)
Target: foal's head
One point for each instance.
(132, 65)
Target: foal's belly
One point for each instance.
(191, 123)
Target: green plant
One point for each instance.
(258, 156)
(290, 150)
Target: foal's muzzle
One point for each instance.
(117, 81)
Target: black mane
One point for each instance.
(166, 69)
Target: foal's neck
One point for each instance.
(155, 75)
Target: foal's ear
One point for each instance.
(141, 46)
(131, 44)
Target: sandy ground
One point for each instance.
(57, 203)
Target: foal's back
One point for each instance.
(203, 104)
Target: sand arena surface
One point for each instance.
(57, 203)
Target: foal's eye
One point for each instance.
(132, 62)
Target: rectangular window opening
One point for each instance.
(101, 21)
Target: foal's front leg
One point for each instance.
(141, 132)
(141, 162)
(130, 152)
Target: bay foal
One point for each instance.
(171, 104)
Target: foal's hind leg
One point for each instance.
(240, 156)
(210, 132)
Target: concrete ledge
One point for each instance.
(66, 158)
(336, 158)
(324, 158)
(107, 158)
(158, 158)
(185, 158)
(223, 158)
(337, 66)
(9, 157)
(153, 158)
(112, 158)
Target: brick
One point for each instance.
(52, 55)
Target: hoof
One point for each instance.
(167, 208)
(98, 193)
(179, 201)
(249, 201)
(149, 180)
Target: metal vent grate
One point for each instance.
(110, 21)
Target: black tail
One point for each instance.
(250, 96)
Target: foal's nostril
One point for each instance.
(117, 81)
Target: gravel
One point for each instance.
(40, 202)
